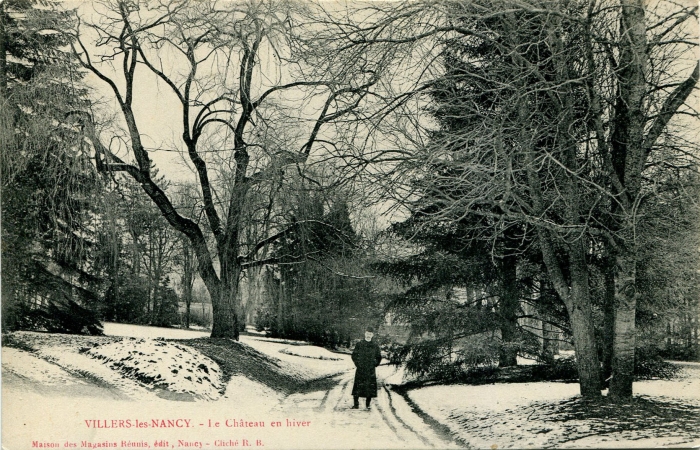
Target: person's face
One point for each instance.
(368, 336)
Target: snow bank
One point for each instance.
(311, 351)
(84, 364)
(499, 397)
(484, 416)
(394, 375)
(164, 365)
(686, 387)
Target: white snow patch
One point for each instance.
(526, 361)
(601, 441)
(280, 340)
(253, 330)
(73, 361)
(445, 399)
(252, 395)
(686, 387)
(147, 332)
(405, 413)
(311, 351)
(452, 404)
(500, 414)
(29, 366)
(394, 375)
(163, 364)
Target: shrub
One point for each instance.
(649, 365)
(560, 369)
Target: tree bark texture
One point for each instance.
(629, 155)
(550, 343)
(582, 326)
(624, 329)
(574, 292)
(3, 56)
(608, 334)
(576, 297)
(508, 309)
(225, 319)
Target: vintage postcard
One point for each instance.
(292, 224)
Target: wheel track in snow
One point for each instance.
(401, 421)
(335, 400)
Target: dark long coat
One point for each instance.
(366, 357)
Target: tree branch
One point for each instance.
(669, 108)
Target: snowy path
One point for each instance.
(390, 423)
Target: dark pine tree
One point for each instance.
(470, 243)
(48, 181)
(313, 299)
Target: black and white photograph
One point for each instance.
(350, 224)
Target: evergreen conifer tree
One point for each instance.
(48, 181)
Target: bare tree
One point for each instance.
(632, 125)
(567, 120)
(232, 63)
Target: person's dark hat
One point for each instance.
(370, 329)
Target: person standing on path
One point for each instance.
(366, 357)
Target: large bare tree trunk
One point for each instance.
(576, 296)
(582, 326)
(585, 346)
(573, 291)
(630, 148)
(187, 279)
(632, 141)
(577, 299)
(550, 344)
(3, 57)
(280, 307)
(509, 302)
(227, 304)
(225, 318)
(625, 330)
(608, 335)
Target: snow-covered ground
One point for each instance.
(550, 414)
(317, 417)
(249, 395)
(166, 365)
(311, 351)
(329, 363)
(20, 363)
(143, 331)
(59, 388)
(295, 359)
